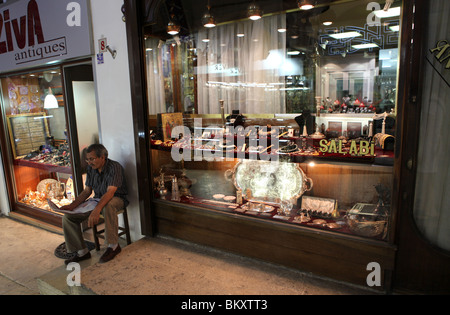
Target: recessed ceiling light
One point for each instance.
(395, 28)
(365, 46)
(389, 13)
(345, 35)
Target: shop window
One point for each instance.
(33, 107)
(289, 118)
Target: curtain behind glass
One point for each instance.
(155, 77)
(432, 198)
(244, 71)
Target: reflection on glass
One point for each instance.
(278, 64)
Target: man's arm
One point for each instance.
(80, 199)
(95, 214)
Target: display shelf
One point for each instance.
(379, 157)
(332, 224)
(44, 166)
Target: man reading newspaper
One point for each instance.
(106, 179)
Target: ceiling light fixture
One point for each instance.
(50, 101)
(254, 13)
(172, 27)
(392, 12)
(345, 35)
(305, 4)
(207, 19)
(395, 28)
(365, 46)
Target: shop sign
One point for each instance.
(36, 32)
(365, 148)
(442, 51)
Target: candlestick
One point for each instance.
(222, 112)
(305, 131)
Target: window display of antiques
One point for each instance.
(49, 154)
(54, 159)
(368, 139)
(276, 191)
(265, 179)
(59, 193)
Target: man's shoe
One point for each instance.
(110, 254)
(77, 258)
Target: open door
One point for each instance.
(82, 115)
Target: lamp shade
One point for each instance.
(173, 28)
(208, 20)
(254, 12)
(305, 4)
(50, 100)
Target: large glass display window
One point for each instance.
(34, 114)
(268, 110)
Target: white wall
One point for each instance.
(85, 112)
(112, 81)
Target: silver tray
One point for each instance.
(270, 181)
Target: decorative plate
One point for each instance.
(44, 184)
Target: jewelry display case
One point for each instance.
(317, 182)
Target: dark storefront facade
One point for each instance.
(292, 137)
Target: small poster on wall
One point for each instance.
(166, 123)
(28, 132)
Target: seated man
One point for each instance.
(106, 179)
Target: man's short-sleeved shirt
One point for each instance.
(111, 175)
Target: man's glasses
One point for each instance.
(91, 160)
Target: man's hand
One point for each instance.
(79, 200)
(94, 217)
(95, 214)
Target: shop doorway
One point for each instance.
(82, 115)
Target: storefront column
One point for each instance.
(114, 98)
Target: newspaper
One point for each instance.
(85, 207)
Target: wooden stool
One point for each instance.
(122, 230)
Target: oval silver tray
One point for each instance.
(270, 181)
